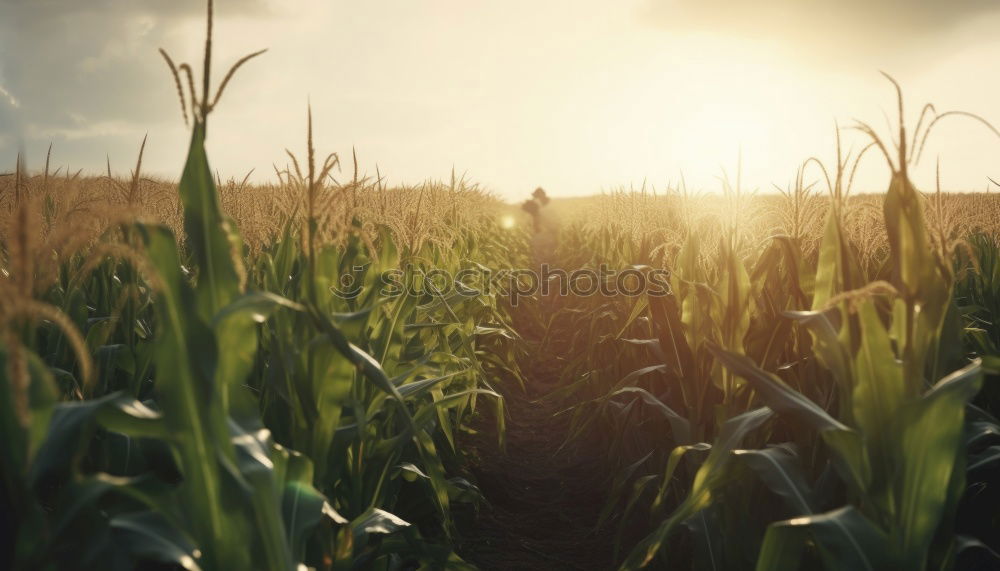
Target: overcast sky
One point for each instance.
(573, 95)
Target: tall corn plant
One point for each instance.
(898, 444)
(847, 326)
(682, 389)
(708, 309)
(376, 384)
(235, 482)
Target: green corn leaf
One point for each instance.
(235, 327)
(710, 475)
(185, 356)
(852, 459)
(827, 345)
(302, 506)
(670, 330)
(73, 424)
(879, 390)
(212, 238)
(22, 443)
(680, 426)
(146, 489)
(844, 538)
(376, 522)
(779, 396)
(779, 469)
(838, 269)
(150, 539)
(932, 435)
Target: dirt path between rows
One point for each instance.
(543, 502)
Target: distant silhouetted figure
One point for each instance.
(540, 196)
(533, 206)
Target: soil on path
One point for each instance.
(543, 502)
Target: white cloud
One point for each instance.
(7, 97)
(86, 130)
(839, 31)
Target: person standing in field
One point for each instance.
(544, 239)
(533, 206)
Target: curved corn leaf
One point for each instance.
(711, 474)
(844, 538)
(212, 238)
(779, 469)
(778, 396)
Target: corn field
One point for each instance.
(185, 384)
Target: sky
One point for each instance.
(576, 96)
